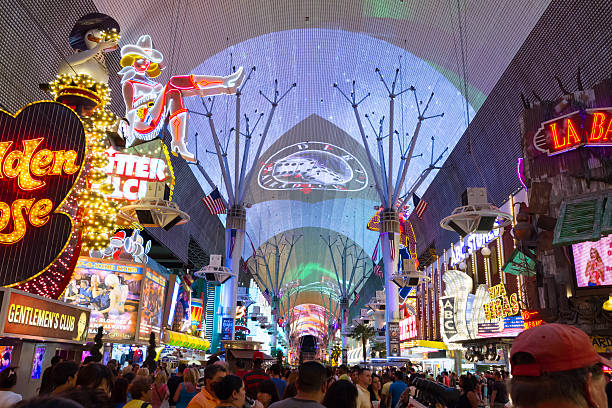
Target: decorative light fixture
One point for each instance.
(409, 275)
(607, 306)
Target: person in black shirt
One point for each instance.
(499, 394)
(175, 381)
(46, 384)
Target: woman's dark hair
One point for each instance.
(129, 377)
(8, 377)
(120, 389)
(48, 402)
(226, 387)
(342, 394)
(62, 371)
(92, 375)
(568, 386)
(290, 391)
(467, 383)
(139, 387)
(90, 398)
(269, 387)
(371, 389)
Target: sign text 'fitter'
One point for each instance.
(129, 174)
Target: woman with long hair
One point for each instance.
(374, 389)
(95, 376)
(291, 389)
(187, 390)
(230, 391)
(267, 393)
(468, 398)
(160, 390)
(119, 393)
(342, 394)
(595, 269)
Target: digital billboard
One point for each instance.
(112, 291)
(6, 356)
(153, 294)
(593, 263)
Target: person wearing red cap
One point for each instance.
(253, 378)
(555, 365)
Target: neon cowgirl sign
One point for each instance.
(129, 174)
(592, 127)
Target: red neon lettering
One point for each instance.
(555, 136)
(597, 127)
(572, 134)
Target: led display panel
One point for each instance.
(593, 263)
(112, 291)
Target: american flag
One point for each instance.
(214, 202)
(419, 206)
(232, 242)
(378, 271)
(375, 254)
(392, 245)
(356, 296)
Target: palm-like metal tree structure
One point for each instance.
(272, 259)
(351, 269)
(390, 192)
(237, 186)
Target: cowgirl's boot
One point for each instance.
(178, 130)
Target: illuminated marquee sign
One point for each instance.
(408, 328)
(502, 305)
(41, 155)
(592, 127)
(308, 166)
(32, 316)
(135, 176)
(472, 243)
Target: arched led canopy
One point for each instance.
(313, 177)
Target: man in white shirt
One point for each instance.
(364, 379)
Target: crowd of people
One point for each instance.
(562, 371)
(312, 385)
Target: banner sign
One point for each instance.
(140, 171)
(152, 306)
(227, 324)
(112, 291)
(394, 339)
(448, 316)
(592, 127)
(41, 155)
(408, 328)
(501, 304)
(28, 315)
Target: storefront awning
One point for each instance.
(438, 345)
(584, 218)
(519, 264)
(184, 340)
(247, 354)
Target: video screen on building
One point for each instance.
(6, 356)
(593, 263)
(112, 291)
(153, 295)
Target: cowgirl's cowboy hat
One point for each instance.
(143, 48)
(89, 22)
